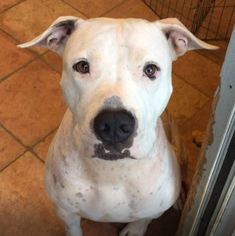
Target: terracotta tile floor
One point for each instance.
(31, 108)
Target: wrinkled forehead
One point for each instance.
(106, 36)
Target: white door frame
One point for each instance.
(197, 218)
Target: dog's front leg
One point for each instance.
(136, 228)
(72, 222)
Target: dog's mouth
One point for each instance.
(101, 153)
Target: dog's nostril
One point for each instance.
(105, 127)
(125, 128)
(114, 126)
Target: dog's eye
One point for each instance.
(82, 67)
(151, 71)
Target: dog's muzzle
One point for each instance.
(114, 126)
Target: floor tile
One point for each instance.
(216, 55)
(160, 226)
(31, 104)
(31, 17)
(10, 149)
(198, 71)
(13, 56)
(7, 3)
(54, 60)
(197, 124)
(94, 8)
(185, 100)
(91, 228)
(133, 8)
(41, 148)
(199, 121)
(25, 209)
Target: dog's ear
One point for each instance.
(57, 34)
(180, 38)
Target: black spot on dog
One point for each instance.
(61, 185)
(132, 204)
(54, 179)
(115, 188)
(79, 194)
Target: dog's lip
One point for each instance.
(102, 153)
(112, 157)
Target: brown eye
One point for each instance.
(151, 71)
(82, 67)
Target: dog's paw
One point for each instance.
(136, 228)
(130, 232)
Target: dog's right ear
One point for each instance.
(56, 36)
(180, 38)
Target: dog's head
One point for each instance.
(116, 78)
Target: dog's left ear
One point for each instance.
(57, 34)
(180, 38)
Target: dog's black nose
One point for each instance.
(114, 126)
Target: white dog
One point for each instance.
(110, 160)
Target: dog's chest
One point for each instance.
(119, 194)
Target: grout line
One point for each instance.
(41, 58)
(195, 113)
(208, 99)
(21, 67)
(36, 57)
(75, 8)
(44, 137)
(191, 85)
(11, 36)
(27, 148)
(150, 8)
(48, 63)
(13, 136)
(8, 8)
(37, 156)
(210, 59)
(20, 142)
(34, 52)
(118, 5)
(18, 157)
(90, 16)
(15, 71)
